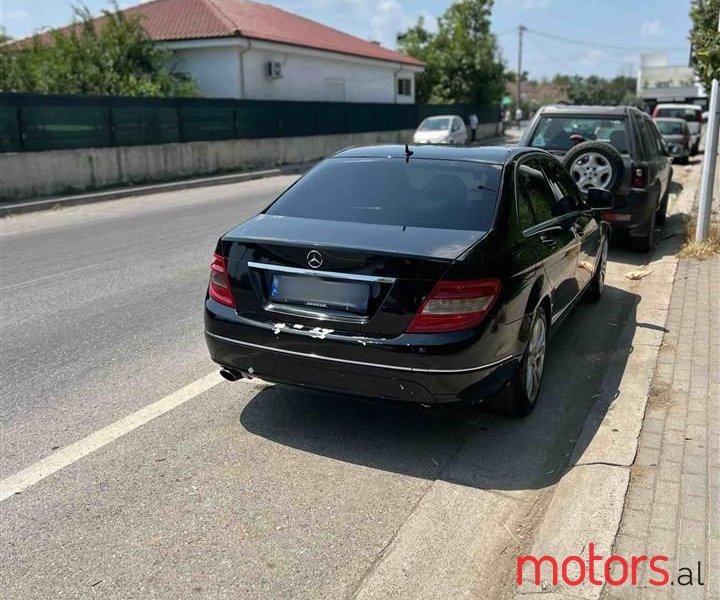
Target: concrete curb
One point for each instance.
(144, 190)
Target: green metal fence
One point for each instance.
(31, 122)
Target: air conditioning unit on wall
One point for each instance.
(273, 70)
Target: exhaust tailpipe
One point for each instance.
(230, 375)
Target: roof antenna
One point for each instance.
(408, 154)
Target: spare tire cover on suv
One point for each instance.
(595, 164)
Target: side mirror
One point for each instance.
(600, 199)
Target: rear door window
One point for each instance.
(535, 198)
(648, 139)
(440, 194)
(567, 195)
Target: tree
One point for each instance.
(4, 37)
(597, 90)
(705, 40)
(418, 42)
(112, 55)
(461, 64)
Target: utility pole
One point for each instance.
(521, 30)
(710, 162)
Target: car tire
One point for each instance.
(645, 243)
(596, 286)
(522, 394)
(695, 149)
(595, 164)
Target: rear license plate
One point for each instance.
(320, 293)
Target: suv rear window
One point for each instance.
(440, 194)
(689, 114)
(554, 133)
(670, 127)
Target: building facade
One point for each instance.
(261, 70)
(659, 82)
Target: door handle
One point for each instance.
(548, 241)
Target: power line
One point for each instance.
(585, 43)
(548, 56)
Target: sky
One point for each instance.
(601, 37)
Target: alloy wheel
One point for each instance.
(535, 359)
(591, 169)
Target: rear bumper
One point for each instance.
(390, 371)
(632, 212)
(361, 379)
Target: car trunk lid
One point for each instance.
(358, 278)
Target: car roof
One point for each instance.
(582, 109)
(441, 117)
(486, 154)
(671, 105)
(670, 119)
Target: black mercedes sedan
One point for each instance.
(428, 274)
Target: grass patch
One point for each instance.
(700, 250)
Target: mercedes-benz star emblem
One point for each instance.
(314, 259)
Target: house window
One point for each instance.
(404, 87)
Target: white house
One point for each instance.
(243, 49)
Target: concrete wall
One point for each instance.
(56, 172)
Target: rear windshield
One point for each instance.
(689, 114)
(562, 133)
(435, 124)
(670, 127)
(439, 194)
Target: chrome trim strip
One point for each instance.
(357, 362)
(285, 309)
(331, 274)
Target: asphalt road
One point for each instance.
(246, 490)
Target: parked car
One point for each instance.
(443, 129)
(677, 137)
(429, 275)
(614, 148)
(691, 113)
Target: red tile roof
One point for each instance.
(175, 20)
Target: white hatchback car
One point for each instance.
(442, 129)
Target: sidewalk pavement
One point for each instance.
(671, 508)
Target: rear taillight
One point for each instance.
(455, 305)
(639, 178)
(219, 287)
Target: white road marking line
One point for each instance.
(68, 272)
(74, 452)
